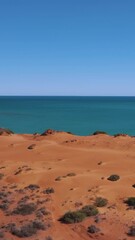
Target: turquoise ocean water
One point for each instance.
(80, 115)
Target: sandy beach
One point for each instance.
(75, 171)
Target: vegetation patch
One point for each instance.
(32, 187)
(29, 229)
(100, 202)
(1, 175)
(130, 202)
(71, 174)
(113, 177)
(89, 210)
(93, 229)
(131, 231)
(48, 191)
(25, 209)
(58, 178)
(73, 217)
(32, 146)
(80, 215)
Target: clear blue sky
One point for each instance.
(67, 47)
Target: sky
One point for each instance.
(67, 47)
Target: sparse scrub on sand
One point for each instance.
(93, 229)
(79, 215)
(32, 187)
(89, 210)
(29, 229)
(130, 202)
(25, 209)
(58, 178)
(113, 177)
(48, 191)
(32, 146)
(48, 238)
(1, 175)
(73, 217)
(100, 202)
(1, 234)
(131, 231)
(71, 174)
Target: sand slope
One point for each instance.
(92, 159)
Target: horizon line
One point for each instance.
(67, 95)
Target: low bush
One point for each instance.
(89, 210)
(58, 178)
(29, 229)
(48, 191)
(32, 187)
(79, 215)
(93, 229)
(71, 174)
(25, 209)
(113, 177)
(100, 202)
(130, 202)
(73, 217)
(132, 231)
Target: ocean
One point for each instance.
(79, 115)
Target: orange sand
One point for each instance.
(92, 159)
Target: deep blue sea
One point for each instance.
(80, 115)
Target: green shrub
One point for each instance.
(73, 217)
(113, 177)
(100, 202)
(131, 202)
(25, 209)
(89, 210)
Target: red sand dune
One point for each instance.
(47, 163)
